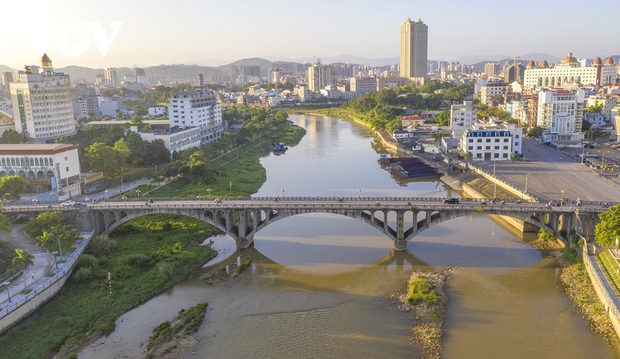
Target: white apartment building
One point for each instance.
(175, 139)
(492, 91)
(157, 110)
(570, 71)
(363, 85)
(560, 114)
(320, 76)
(42, 105)
(462, 117)
(607, 101)
(198, 108)
(47, 166)
(492, 141)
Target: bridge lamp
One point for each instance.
(124, 198)
(6, 284)
(55, 253)
(526, 177)
(562, 196)
(138, 192)
(359, 195)
(282, 192)
(106, 194)
(199, 197)
(209, 192)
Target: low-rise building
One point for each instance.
(157, 110)
(462, 117)
(44, 167)
(176, 139)
(492, 141)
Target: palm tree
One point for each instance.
(47, 241)
(58, 233)
(23, 259)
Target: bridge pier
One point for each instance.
(244, 243)
(400, 245)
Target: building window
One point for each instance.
(505, 140)
(67, 169)
(470, 148)
(497, 147)
(488, 140)
(488, 147)
(479, 147)
(505, 147)
(505, 155)
(497, 140)
(496, 155)
(516, 143)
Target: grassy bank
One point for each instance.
(144, 257)
(240, 167)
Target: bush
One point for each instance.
(83, 274)
(572, 255)
(101, 245)
(87, 261)
(422, 290)
(139, 260)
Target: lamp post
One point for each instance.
(562, 197)
(602, 163)
(124, 198)
(583, 150)
(526, 177)
(106, 194)
(6, 284)
(494, 182)
(230, 192)
(282, 192)
(209, 192)
(199, 197)
(138, 193)
(55, 261)
(359, 195)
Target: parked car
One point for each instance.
(67, 204)
(79, 204)
(452, 200)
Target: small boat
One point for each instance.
(278, 146)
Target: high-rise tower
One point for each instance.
(413, 49)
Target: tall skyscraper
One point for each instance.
(413, 49)
(42, 104)
(320, 76)
(110, 77)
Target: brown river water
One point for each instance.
(318, 285)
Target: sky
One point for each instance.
(115, 33)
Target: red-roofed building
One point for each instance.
(412, 120)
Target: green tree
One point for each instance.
(46, 240)
(596, 108)
(103, 158)
(536, 132)
(137, 148)
(12, 184)
(437, 136)
(11, 136)
(43, 222)
(608, 229)
(443, 119)
(22, 260)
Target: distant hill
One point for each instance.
(6, 69)
(477, 59)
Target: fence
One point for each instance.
(71, 260)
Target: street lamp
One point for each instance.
(494, 182)
(106, 194)
(199, 197)
(138, 193)
(124, 198)
(230, 189)
(526, 177)
(282, 193)
(562, 197)
(55, 261)
(359, 195)
(6, 284)
(209, 192)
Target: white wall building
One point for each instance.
(320, 76)
(198, 108)
(51, 166)
(492, 92)
(570, 71)
(42, 106)
(560, 114)
(462, 117)
(110, 106)
(157, 111)
(175, 139)
(492, 142)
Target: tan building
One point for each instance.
(320, 76)
(413, 49)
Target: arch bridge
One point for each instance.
(399, 219)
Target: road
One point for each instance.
(552, 171)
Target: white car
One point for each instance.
(67, 204)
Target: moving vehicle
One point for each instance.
(67, 204)
(452, 200)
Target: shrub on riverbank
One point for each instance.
(186, 322)
(88, 306)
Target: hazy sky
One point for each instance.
(157, 32)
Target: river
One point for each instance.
(318, 285)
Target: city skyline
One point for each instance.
(150, 33)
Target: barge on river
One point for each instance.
(409, 168)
